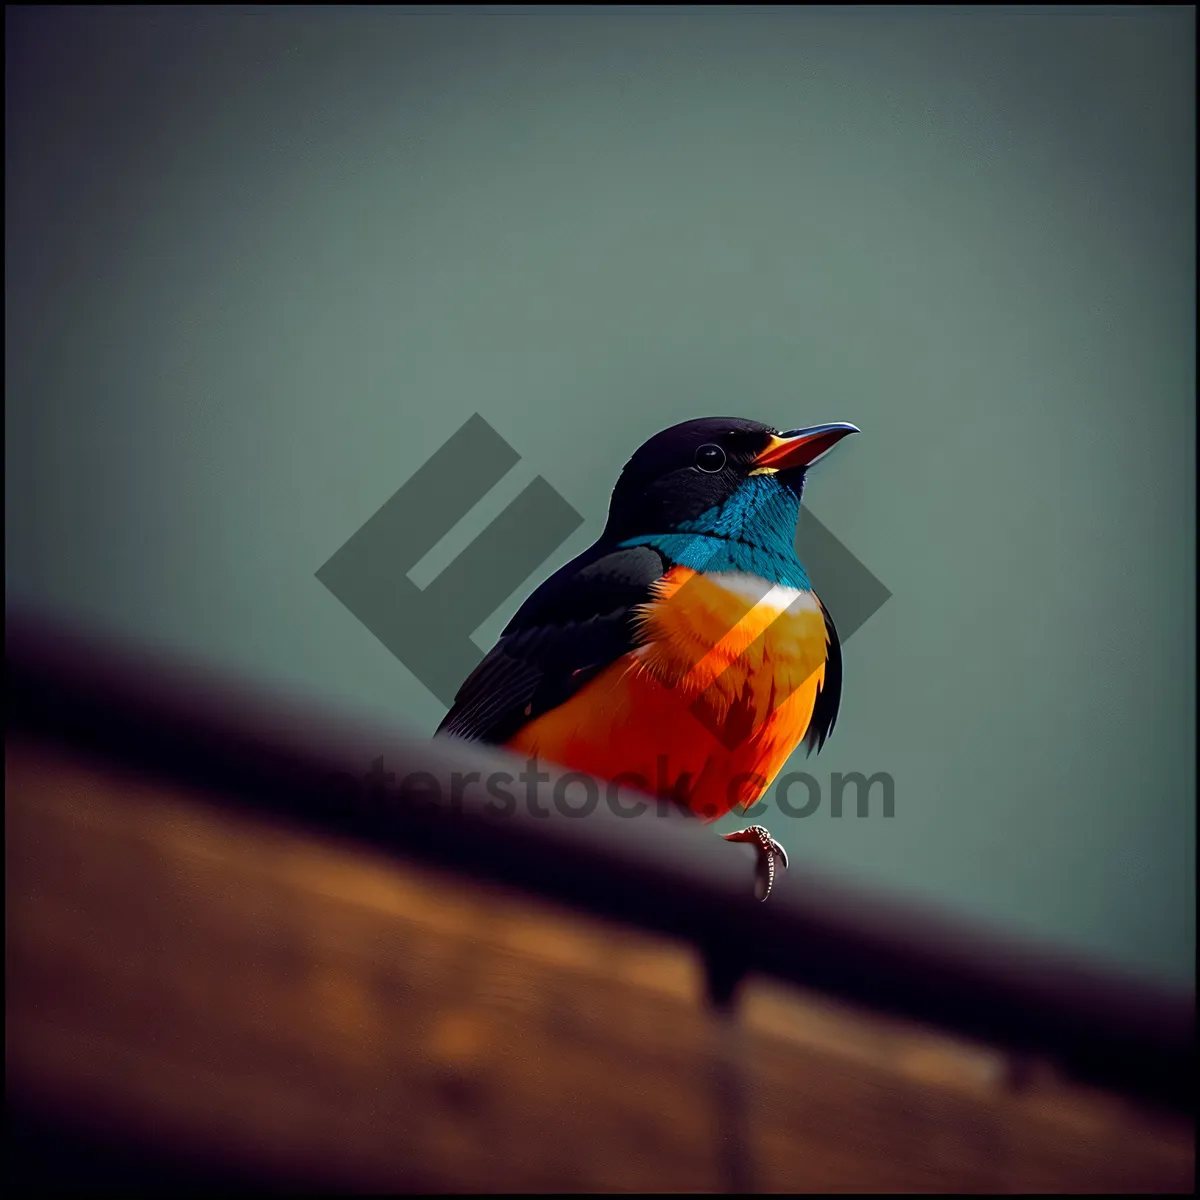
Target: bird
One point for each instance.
(685, 649)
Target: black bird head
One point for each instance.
(698, 467)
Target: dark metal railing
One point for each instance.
(661, 871)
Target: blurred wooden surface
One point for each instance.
(189, 980)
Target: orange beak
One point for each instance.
(802, 447)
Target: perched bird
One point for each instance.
(685, 651)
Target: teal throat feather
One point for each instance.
(752, 533)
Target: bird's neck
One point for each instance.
(751, 533)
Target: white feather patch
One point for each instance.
(773, 596)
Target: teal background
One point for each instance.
(261, 263)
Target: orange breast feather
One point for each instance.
(707, 709)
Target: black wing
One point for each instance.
(829, 695)
(577, 623)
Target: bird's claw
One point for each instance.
(768, 850)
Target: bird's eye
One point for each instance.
(710, 458)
